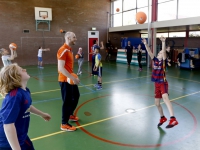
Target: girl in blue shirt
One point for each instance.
(16, 109)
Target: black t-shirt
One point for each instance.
(129, 48)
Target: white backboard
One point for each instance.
(40, 11)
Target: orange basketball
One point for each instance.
(13, 46)
(70, 81)
(61, 31)
(77, 56)
(117, 10)
(141, 17)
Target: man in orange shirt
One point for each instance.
(70, 93)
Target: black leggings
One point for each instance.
(129, 57)
(70, 96)
(139, 61)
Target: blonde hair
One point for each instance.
(9, 79)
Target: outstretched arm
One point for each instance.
(163, 47)
(36, 111)
(13, 55)
(144, 41)
(102, 46)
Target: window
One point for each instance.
(161, 1)
(187, 8)
(177, 34)
(158, 35)
(194, 34)
(167, 10)
(142, 3)
(117, 4)
(129, 4)
(144, 35)
(117, 20)
(129, 17)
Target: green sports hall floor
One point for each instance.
(104, 122)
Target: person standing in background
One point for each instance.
(129, 52)
(80, 60)
(95, 42)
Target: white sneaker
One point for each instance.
(99, 87)
(96, 85)
(80, 72)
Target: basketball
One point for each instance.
(141, 17)
(70, 81)
(61, 31)
(77, 56)
(13, 46)
(117, 10)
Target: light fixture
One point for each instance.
(94, 28)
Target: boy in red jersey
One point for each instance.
(161, 84)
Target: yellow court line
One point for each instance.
(48, 135)
(89, 85)
(95, 122)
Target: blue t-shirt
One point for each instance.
(15, 109)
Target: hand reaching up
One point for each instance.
(162, 38)
(144, 41)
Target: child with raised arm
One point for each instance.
(95, 42)
(7, 57)
(16, 109)
(161, 84)
(40, 61)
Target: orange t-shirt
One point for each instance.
(65, 53)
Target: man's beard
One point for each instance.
(73, 43)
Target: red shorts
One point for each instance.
(160, 89)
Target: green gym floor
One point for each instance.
(105, 123)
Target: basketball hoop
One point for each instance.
(44, 16)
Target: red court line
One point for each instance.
(136, 145)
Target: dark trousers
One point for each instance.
(28, 145)
(70, 96)
(129, 57)
(93, 63)
(139, 61)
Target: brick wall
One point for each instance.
(70, 15)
